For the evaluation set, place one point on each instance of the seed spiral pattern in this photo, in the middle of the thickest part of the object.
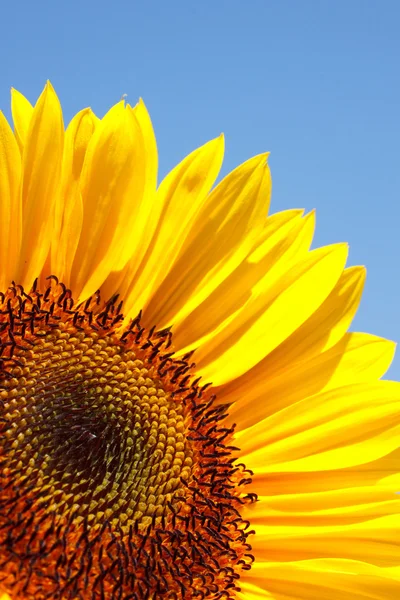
(117, 477)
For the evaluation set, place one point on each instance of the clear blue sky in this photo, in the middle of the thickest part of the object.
(315, 82)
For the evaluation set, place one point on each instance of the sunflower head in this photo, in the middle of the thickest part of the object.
(155, 340)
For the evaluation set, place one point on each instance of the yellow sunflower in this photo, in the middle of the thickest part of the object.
(183, 413)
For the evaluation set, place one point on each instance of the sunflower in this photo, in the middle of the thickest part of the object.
(183, 412)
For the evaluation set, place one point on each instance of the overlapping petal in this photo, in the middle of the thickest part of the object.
(328, 579)
(375, 541)
(338, 507)
(286, 238)
(276, 309)
(224, 232)
(177, 204)
(357, 357)
(371, 472)
(68, 216)
(339, 428)
(111, 184)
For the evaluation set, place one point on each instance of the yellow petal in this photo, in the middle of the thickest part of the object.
(326, 325)
(180, 197)
(321, 579)
(69, 208)
(375, 541)
(147, 216)
(145, 220)
(250, 591)
(257, 394)
(150, 143)
(22, 112)
(273, 317)
(332, 507)
(339, 428)
(112, 185)
(225, 231)
(10, 203)
(380, 471)
(283, 242)
(42, 158)
(120, 281)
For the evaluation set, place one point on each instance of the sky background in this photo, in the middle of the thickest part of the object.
(315, 82)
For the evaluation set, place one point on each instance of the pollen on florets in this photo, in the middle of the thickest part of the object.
(117, 477)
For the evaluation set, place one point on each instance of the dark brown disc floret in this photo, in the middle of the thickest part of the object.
(117, 477)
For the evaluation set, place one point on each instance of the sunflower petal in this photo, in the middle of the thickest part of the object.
(273, 315)
(22, 112)
(376, 472)
(375, 541)
(69, 208)
(332, 507)
(112, 184)
(180, 198)
(283, 242)
(259, 393)
(42, 157)
(224, 233)
(10, 204)
(326, 325)
(328, 579)
(339, 428)
(145, 220)
(250, 591)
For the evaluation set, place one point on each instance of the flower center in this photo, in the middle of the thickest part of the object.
(116, 478)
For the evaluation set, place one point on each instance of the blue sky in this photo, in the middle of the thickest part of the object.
(315, 82)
